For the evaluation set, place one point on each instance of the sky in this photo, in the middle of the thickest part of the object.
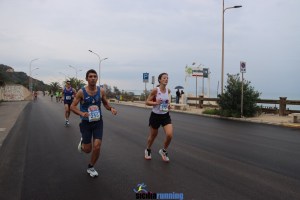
(139, 36)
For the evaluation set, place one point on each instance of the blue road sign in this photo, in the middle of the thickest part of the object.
(145, 77)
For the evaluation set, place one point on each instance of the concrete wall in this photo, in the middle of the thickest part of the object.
(14, 93)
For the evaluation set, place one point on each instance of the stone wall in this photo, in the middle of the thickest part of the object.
(14, 93)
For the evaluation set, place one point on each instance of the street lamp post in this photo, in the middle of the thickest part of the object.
(34, 83)
(76, 70)
(30, 79)
(222, 69)
(31, 83)
(100, 60)
(64, 75)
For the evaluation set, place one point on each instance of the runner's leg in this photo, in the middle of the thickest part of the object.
(152, 135)
(96, 151)
(169, 135)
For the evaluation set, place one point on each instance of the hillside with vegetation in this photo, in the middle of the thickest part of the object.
(9, 76)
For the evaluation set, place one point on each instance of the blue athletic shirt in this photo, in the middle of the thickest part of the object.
(91, 104)
(68, 95)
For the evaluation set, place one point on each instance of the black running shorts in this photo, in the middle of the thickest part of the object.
(91, 130)
(157, 120)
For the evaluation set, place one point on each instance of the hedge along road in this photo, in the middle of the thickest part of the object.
(210, 158)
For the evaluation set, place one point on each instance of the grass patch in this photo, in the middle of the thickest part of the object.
(211, 112)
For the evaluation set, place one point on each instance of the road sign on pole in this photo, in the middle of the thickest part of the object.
(243, 70)
(243, 67)
(146, 77)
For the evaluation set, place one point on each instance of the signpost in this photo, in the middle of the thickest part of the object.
(153, 81)
(198, 72)
(145, 80)
(242, 70)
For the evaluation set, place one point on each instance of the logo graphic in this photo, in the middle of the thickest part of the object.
(141, 189)
(188, 71)
(142, 193)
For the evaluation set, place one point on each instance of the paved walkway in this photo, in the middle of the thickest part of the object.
(10, 111)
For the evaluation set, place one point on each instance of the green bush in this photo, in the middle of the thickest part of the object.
(211, 112)
(230, 100)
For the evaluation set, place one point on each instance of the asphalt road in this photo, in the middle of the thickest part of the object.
(211, 159)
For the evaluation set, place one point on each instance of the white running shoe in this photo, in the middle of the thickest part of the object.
(164, 155)
(79, 146)
(148, 154)
(92, 172)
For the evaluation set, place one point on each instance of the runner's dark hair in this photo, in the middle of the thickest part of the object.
(90, 71)
(159, 77)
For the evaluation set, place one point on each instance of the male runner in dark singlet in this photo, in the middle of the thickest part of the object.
(91, 126)
(68, 94)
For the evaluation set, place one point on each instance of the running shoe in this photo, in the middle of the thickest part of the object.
(148, 154)
(79, 146)
(92, 172)
(67, 123)
(164, 155)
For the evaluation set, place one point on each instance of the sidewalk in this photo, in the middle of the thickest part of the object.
(9, 113)
(272, 119)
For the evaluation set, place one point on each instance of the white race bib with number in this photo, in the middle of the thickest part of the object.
(164, 107)
(68, 97)
(94, 113)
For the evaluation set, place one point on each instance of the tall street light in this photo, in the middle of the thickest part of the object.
(30, 79)
(76, 70)
(64, 75)
(222, 69)
(100, 60)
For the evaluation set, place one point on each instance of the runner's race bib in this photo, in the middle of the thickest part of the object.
(94, 113)
(163, 107)
(68, 97)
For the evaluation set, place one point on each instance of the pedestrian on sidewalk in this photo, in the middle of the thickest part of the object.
(159, 98)
(91, 126)
(177, 96)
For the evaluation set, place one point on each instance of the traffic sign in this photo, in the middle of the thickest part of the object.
(153, 80)
(205, 72)
(243, 67)
(145, 77)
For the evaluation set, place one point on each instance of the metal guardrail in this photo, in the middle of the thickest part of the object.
(201, 102)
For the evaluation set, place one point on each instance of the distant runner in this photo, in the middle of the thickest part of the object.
(68, 96)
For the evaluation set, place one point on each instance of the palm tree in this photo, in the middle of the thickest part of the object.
(76, 83)
(54, 87)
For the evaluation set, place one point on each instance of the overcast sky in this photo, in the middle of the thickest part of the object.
(155, 36)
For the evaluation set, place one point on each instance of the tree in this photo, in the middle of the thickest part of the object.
(230, 100)
(54, 87)
(76, 83)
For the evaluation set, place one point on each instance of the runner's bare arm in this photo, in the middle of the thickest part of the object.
(105, 102)
(75, 102)
(151, 101)
(74, 91)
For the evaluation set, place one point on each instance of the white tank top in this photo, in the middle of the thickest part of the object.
(163, 107)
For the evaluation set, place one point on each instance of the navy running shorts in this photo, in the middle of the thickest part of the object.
(157, 120)
(68, 102)
(91, 130)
